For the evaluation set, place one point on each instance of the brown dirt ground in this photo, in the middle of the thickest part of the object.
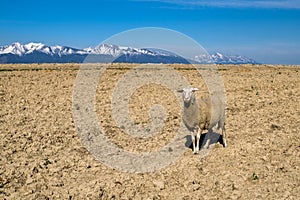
(42, 157)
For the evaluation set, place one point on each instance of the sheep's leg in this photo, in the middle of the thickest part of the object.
(224, 136)
(193, 140)
(206, 146)
(198, 139)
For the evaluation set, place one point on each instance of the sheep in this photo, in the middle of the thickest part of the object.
(199, 116)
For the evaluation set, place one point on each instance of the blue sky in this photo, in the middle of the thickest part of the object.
(265, 30)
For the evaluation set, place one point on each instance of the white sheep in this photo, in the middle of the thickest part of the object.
(199, 116)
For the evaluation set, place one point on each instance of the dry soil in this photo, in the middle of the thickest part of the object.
(42, 156)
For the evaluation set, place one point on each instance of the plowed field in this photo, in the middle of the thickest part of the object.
(42, 156)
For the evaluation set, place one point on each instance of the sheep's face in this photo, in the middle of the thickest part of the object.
(188, 95)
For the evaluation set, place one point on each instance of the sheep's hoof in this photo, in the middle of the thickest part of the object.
(224, 143)
(195, 152)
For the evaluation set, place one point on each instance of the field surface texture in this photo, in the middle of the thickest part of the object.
(43, 157)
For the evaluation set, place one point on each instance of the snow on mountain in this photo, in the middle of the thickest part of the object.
(104, 49)
(220, 58)
(20, 49)
(15, 48)
(115, 51)
(38, 52)
(230, 59)
(203, 58)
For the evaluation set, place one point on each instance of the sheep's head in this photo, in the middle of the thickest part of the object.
(188, 95)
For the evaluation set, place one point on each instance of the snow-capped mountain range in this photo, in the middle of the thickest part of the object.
(41, 53)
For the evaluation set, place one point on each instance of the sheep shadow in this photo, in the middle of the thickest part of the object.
(214, 138)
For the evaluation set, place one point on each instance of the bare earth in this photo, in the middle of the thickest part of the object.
(42, 156)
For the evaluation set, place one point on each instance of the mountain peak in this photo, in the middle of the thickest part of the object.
(15, 48)
(33, 45)
(16, 44)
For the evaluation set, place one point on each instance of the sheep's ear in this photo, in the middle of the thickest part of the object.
(180, 91)
(195, 89)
